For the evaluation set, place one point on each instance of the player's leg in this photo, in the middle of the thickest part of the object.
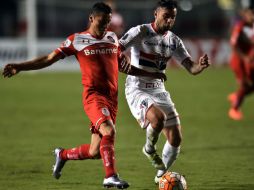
(102, 113)
(156, 118)
(171, 148)
(246, 87)
(85, 151)
(244, 90)
(173, 134)
(107, 130)
(150, 117)
(236, 98)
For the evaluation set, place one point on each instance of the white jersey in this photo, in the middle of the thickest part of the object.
(151, 51)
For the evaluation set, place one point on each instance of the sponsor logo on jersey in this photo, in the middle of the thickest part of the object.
(100, 51)
(160, 44)
(153, 85)
(163, 45)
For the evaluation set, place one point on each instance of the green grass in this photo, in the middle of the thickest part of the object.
(44, 110)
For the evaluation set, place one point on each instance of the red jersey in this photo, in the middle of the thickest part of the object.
(98, 59)
(242, 37)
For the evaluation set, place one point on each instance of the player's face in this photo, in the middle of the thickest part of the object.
(165, 18)
(249, 16)
(100, 22)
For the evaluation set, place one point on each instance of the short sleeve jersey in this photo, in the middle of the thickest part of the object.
(242, 36)
(98, 59)
(151, 51)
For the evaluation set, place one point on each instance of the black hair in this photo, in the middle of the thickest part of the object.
(169, 4)
(101, 8)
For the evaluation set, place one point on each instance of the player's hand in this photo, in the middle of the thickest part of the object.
(204, 62)
(10, 70)
(124, 64)
(161, 76)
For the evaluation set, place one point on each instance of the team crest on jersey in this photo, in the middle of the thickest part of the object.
(161, 62)
(66, 43)
(105, 111)
(110, 38)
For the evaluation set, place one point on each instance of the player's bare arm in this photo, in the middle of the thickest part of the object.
(35, 64)
(124, 63)
(196, 68)
(126, 67)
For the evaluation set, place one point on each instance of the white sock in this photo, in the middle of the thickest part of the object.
(169, 155)
(152, 137)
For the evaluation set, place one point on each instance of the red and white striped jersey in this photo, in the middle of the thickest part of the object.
(98, 59)
(151, 51)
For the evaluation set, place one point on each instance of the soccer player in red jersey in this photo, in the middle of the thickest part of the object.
(98, 53)
(242, 60)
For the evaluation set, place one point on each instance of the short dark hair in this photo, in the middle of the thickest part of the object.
(101, 8)
(169, 4)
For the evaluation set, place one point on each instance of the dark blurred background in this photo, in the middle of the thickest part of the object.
(32, 27)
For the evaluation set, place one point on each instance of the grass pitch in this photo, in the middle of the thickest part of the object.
(41, 111)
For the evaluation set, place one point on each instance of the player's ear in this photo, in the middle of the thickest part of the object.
(91, 18)
(155, 14)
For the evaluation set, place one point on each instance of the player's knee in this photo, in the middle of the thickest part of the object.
(95, 154)
(107, 129)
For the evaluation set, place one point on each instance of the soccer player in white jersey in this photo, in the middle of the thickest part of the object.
(152, 45)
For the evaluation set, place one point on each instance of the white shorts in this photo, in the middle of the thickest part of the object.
(140, 100)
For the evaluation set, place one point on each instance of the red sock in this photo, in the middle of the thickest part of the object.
(78, 153)
(108, 155)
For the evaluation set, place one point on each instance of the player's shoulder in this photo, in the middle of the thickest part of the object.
(173, 36)
(111, 33)
(72, 36)
(142, 28)
(111, 37)
(145, 27)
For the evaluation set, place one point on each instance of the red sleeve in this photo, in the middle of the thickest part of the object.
(67, 48)
(235, 33)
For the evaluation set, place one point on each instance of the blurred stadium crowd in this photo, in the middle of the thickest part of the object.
(35, 27)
